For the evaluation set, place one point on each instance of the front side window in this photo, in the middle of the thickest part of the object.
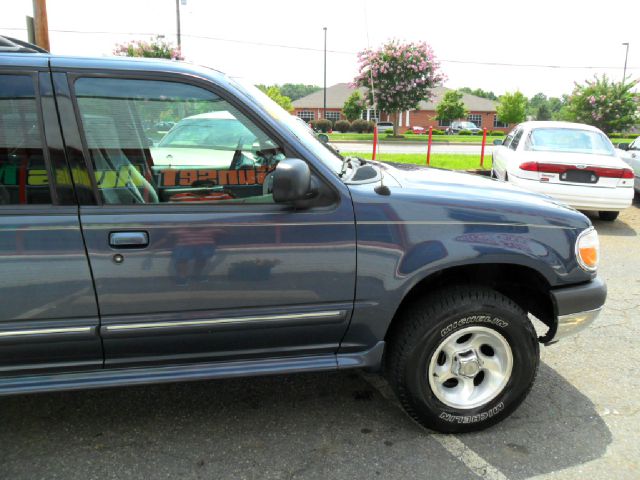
(166, 142)
(23, 175)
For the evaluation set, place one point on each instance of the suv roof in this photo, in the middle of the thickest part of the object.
(13, 45)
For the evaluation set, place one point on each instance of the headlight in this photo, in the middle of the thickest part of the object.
(588, 249)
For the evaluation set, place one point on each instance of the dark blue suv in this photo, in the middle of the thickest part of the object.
(162, 222)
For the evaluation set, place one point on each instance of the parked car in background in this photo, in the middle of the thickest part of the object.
(457, 127)
(630, 153)
(255, 249)
(574, 163)
(384, 126)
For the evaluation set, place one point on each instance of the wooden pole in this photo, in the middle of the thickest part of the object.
(41, 24)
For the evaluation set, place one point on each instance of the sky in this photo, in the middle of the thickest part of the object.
(282, 41)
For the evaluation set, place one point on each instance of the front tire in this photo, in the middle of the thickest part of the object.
(462, 359)
(608, 216)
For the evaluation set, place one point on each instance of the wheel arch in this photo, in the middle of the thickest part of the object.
(524, 285)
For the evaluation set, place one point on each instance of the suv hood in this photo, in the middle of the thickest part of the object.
(483, 198)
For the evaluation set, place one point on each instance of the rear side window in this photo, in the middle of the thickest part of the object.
(23, 175)
(167, 142)
(516, 139)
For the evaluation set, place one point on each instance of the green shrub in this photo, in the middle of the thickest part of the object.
(497, 133)
(342, 126)
(323, 125)
(624, 135)
(436, 132)
(465, 132)
(409, 132)
(370, 127)
(359, 126)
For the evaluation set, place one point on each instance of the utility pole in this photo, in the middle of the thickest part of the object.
(324, 111)
(178, 24)
(40, 23)
(626, 55)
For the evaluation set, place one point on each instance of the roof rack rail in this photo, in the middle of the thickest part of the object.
(13, 45)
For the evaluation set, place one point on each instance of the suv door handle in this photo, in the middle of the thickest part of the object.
(128, 239)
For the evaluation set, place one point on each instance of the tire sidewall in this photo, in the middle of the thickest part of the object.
(524, 350)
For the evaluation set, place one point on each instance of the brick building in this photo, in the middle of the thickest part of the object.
(482, 111)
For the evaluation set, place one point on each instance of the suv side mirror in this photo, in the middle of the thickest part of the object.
(497, 141)
(623, 146)
(291, 181)
(323, 137)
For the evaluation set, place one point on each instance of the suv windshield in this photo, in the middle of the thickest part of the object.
(302, 132)
(569, 140)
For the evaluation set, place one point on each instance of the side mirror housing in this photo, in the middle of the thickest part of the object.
(291, 181)
(497, 141)
(323, 137)
(623, 146)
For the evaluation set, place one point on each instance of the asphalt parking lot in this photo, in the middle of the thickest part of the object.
(582, 419)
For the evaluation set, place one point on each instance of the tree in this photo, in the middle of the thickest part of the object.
(398, 75)
(478, 92)
(512, 107)
(155, 48)
(274, 93)
(353, 106)
(297, 90)
(451, 107)
(610, 106)
(543, 112)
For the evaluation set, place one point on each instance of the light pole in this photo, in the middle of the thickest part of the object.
(626, 55)
(324, 109)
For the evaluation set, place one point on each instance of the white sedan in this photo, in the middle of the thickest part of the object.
(630, 153)
(574, 163)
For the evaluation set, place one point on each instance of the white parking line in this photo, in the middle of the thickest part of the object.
(450, 443)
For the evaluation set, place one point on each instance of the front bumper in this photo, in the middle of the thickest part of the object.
(576, 308)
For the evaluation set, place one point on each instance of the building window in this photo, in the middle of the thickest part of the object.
(333, 116)
(475, 118)
(444, 123)
(307, 116)
(371, 115)
(498, 124)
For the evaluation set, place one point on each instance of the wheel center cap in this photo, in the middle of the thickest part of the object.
(467, 364)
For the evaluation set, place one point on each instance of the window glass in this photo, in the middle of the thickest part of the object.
(444, 123)
(516, 139)
(333, 116)
(569, 140)
(498, 124)
(23, 175)
(475, 118)
(167, 142)
(307, 116)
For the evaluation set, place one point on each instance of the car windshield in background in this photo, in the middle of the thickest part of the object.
(468, 125)
(569, 140)
(207, 133)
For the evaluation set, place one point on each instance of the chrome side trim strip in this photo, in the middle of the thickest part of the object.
(45, 331)
(220, 321)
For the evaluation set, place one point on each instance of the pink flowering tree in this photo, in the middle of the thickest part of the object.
(155, 48)
(610, 106)
(398, 76)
